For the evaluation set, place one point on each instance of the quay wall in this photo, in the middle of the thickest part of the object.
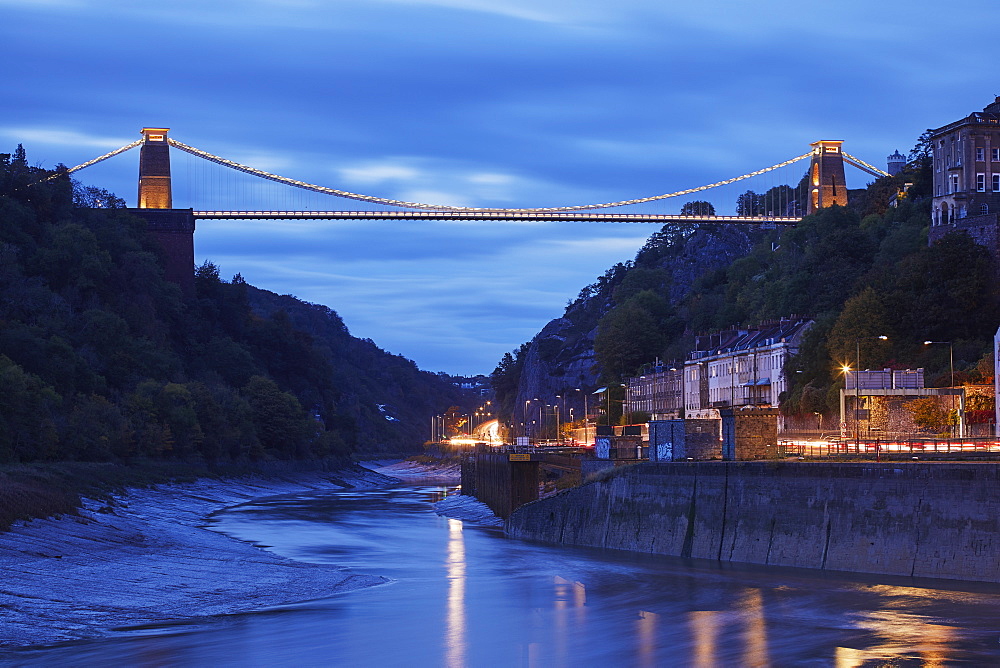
(935, 520)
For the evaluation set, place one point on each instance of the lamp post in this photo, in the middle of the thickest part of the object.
(586, 418)
(525, 423)
(625, 406)
(558, 408)
(857, 390)
(951, 367)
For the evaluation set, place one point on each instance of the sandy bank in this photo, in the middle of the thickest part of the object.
(144, 558)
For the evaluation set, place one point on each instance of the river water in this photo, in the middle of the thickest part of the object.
(464, 595)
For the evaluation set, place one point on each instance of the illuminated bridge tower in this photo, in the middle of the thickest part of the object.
(154, 170)
(827, 185)
(172, 228)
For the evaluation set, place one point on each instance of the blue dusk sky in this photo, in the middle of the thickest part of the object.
(498, 103)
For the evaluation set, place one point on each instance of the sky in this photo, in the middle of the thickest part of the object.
(497, 103)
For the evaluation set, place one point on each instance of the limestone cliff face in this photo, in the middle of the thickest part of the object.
(560, 357)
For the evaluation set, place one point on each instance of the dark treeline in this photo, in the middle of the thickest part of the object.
(101, 359)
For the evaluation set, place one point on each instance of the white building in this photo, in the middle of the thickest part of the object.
(741, 367)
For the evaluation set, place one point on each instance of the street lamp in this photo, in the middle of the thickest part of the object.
(857, 389)
(625, 404)
(558, 408)
(951, 366)
(586, 418)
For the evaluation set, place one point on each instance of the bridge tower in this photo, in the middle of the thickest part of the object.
(172, 228)
(827, 184)
(154, 170)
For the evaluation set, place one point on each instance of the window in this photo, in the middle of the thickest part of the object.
(980, 153)
(984, 209)
(996, 155)
(939, 188)
(996, 183)
(980, 183)
(954, 183)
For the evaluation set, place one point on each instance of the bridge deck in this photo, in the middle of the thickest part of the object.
(540, 216)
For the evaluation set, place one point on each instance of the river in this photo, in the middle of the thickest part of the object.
(464, 595)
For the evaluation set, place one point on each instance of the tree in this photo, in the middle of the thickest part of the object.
(633, 333)
(929, 414)
(923, 148)
(278, 417)
(864, 318)
(750, 204)
(698, 208)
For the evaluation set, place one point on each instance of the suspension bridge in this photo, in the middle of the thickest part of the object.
(824, 185)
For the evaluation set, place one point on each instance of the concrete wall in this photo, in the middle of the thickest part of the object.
(498, 482)
(929, 520)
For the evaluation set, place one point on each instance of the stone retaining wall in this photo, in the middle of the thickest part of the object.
(924, 519)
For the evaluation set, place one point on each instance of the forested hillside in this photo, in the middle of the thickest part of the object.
(860, 271)
(101, 359)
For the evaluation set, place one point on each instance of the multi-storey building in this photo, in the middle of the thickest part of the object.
(741, 367)
(966, 166)
(659, 392)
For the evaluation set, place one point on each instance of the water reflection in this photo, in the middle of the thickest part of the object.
(704, 626)
(900, 634)
(646, 639)
(755, 633)
(454, 638)
(466, 596)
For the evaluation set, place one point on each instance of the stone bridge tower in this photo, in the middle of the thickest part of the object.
(154, 170)
(827, 184)
(172, 228)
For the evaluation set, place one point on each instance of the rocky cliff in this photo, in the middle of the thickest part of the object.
(561, 357)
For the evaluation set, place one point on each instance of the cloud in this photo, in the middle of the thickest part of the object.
(453, 297)
(378, 173)
(43, 4)
(63, 138)
(543, 12)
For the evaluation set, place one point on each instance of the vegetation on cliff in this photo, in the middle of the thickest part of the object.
(101, 359)
(860, 271)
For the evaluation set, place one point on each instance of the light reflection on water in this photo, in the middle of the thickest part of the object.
(455, 634)
(466, 596)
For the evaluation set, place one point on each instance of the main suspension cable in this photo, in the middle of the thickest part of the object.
(864, 166)
(417, 205)
(70, 170)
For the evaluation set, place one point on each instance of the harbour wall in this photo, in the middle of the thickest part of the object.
(935, 520)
